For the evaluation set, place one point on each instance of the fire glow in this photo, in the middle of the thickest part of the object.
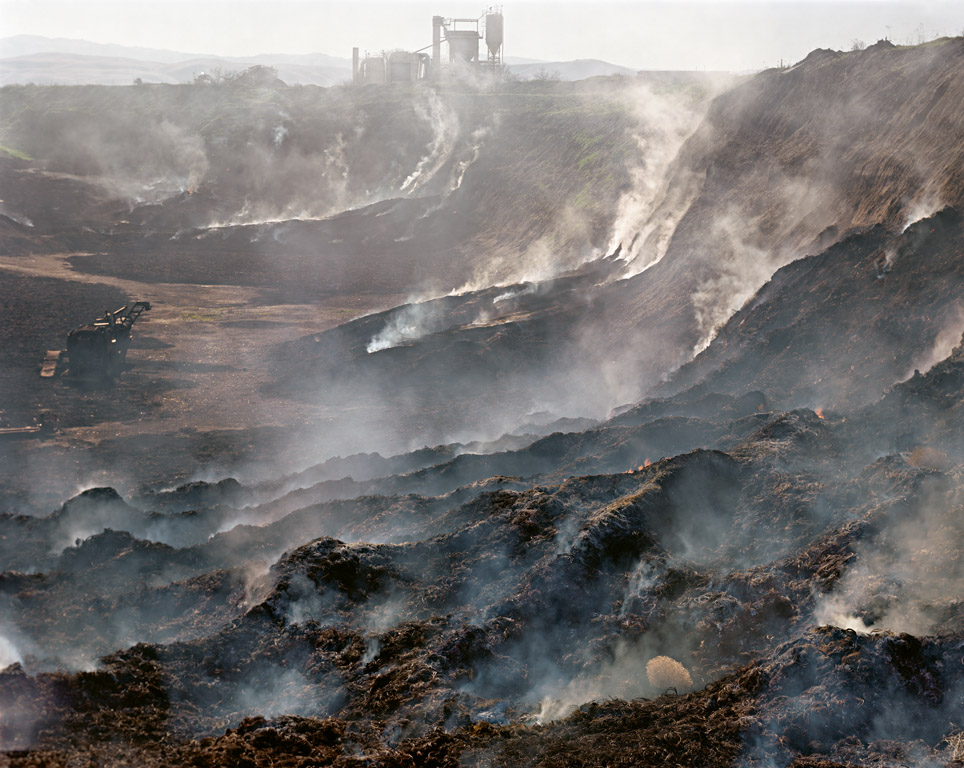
(640, 468)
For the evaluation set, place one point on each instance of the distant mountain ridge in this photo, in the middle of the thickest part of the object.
(27, 45)
(78, 69)
(64, 61)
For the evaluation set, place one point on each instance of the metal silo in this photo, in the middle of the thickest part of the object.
(463, 44)
(493, 34)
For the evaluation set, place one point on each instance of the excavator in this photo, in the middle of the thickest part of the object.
(98, 349)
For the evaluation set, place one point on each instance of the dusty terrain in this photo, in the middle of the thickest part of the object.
(606, 423)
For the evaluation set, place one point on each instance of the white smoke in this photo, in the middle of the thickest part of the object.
(477, 138)
(308, 603)
(648, 212)
(17, 217)
(740, 269)
(906, 578)
(177, 163)
(644, 577)
(332, 194)
(921, 208)
(410, 323)
(280, 130)
(543, 259)
(514, 293)
(624, 677)
(737, 263)
(944, 343)
(8, 653)
(445, 127)
(336, 166)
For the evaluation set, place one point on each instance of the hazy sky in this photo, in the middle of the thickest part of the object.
(696, 34)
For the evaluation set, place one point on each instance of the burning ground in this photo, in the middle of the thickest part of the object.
(616, 552)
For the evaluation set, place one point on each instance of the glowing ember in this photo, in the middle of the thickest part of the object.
(640, 468)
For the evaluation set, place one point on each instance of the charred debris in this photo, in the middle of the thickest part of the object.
(756, 563)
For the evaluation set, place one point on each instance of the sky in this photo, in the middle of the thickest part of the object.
(679, 34)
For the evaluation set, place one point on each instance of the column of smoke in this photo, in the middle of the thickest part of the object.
(740, 269)
(326, 193)
(180, 166)
(145, 166)
(477, 139)
(333, 196)
(908, 576)
(737, 262)
(410, 323)
(649, 211)
(541, 260)
(598, 375)
(444, 123)
(8, 652)
(947, 339)
(920, 208)
(636, 670)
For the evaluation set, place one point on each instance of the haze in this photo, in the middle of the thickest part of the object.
(734, 36)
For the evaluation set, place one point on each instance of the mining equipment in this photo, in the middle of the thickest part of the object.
(462, 37)
(464, 43)
(44, 424)
(98, 349)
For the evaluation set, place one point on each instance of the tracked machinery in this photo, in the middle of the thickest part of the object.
(98, 349)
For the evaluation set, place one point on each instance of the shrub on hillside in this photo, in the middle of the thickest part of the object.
(664, 672)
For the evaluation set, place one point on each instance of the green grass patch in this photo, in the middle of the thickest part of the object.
(15, 153)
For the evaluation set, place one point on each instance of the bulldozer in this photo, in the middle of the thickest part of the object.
(98, 349)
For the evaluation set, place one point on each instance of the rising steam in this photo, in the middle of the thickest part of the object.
(650, 209)
(908, 577)
(411, 322)
(8, 653)
(444, 122)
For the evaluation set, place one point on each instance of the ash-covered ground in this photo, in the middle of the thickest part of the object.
(596, 424)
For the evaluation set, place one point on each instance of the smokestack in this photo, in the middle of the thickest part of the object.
(354, 66)
(437, 22)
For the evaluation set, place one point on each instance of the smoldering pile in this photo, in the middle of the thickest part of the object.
(477, 603)
(445, 617)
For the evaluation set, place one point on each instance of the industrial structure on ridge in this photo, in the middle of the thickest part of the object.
(462, 36)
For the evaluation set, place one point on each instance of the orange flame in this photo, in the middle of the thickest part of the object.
(819, 413)
(647, 463)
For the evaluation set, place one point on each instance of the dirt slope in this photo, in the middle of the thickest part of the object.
(790, 161)
(902, 310)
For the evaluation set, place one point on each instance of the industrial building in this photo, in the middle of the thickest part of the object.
(462, 39)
